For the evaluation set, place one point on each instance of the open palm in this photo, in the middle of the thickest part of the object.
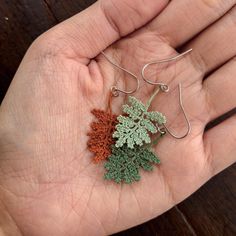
(49, 184)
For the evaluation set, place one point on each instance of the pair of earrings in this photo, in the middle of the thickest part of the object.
(126, 142)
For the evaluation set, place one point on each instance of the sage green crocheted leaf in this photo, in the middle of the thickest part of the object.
(157, 117)
(124, 163)
(136, 124)
(137, 104)
(149, 126)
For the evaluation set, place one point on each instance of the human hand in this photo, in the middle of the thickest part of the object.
(48, 183)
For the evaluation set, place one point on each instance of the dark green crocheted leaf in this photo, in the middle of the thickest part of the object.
(124, 163)
(135, 126)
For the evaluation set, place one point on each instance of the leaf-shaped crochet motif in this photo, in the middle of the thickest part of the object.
(135, 126)
(100, 138)
(124, 163)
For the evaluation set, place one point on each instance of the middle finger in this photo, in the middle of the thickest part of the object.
(216, 45)
(181, 20)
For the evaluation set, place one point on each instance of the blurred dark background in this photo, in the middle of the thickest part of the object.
(211, 211)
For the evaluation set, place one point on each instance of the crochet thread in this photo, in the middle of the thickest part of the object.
(100, 138)
(124, 163)
(135, 126)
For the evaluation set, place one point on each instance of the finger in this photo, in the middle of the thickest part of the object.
(183, 19)
(104, 22)
(220, 145)
(215, 45)
(220, 90)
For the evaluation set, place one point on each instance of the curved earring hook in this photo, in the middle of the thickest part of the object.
(115, 91)
(185, 116)
(163, 87)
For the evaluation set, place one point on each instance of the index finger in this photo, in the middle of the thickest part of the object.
(106, 21)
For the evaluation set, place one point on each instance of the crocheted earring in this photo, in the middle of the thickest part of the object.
(101, 137)
(136, 133)
(125, 142)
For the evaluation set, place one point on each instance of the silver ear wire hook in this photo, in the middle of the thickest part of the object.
(185, 116)
(163, 87)
(115, 91)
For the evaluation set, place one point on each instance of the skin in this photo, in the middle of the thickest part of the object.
(48, 183)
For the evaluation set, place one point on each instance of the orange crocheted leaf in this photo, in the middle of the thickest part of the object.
(100, 137)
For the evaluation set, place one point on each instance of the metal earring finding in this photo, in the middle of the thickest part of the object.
(164, 87)
(115, 90)
(185, 116)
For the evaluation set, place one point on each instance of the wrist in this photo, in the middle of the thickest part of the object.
(8, 226)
